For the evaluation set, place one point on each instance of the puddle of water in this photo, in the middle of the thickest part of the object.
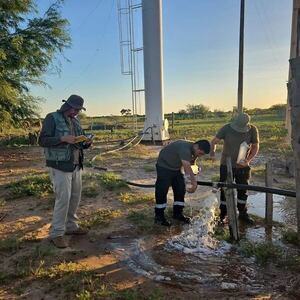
(284, 208)
(213, 264)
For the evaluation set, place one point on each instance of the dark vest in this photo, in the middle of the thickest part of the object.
(62, 152)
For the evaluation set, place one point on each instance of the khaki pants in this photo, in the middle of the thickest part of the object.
(67, 187)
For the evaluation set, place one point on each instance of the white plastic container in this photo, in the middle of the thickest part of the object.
(244, 147)
(187, 181)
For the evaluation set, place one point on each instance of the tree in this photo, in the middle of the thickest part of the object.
(279, 109)
(197, 110)
(125, 112)
(27, 49)
(219, 113)
(182, 112)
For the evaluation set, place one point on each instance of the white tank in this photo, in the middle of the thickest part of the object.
(155, 125)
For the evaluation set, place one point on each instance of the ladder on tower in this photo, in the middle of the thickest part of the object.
(131, 51)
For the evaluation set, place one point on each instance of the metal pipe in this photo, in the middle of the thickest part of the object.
(256, 188)
(241, 58)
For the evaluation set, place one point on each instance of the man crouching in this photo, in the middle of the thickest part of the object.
(172, 158)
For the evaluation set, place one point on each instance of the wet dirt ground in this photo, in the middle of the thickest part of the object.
(183, 262)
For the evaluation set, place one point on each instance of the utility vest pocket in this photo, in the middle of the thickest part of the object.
(58, 154)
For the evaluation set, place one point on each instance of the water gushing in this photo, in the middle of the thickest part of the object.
(198, 239)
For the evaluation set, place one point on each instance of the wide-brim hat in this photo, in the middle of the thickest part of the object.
(241, 123)
(75, 101)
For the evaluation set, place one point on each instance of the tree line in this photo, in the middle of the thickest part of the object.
(200, 111)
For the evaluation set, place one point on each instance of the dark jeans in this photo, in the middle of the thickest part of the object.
(240, 176)
(165, 179)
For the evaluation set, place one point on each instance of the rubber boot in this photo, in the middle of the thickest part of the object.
(178, 215)
(223, 213)
(243, 215)
(160, 217)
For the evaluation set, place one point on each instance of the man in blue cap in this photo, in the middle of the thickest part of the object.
(240, 139)
(64, 157)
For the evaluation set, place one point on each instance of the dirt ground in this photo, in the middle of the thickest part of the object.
(119, 259)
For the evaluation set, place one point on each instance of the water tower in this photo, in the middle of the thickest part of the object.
(155, 126)
(153, 71)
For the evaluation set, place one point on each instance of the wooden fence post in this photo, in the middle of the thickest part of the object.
(294, 99)
(230, 204)
(173, 117)
(269, 197)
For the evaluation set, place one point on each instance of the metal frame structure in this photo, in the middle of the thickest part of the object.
(129, 52)
(151, 86)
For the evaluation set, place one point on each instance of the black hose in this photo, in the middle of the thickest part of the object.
(140, 184)
(247, 187)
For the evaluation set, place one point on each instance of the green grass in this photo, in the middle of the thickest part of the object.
(258, 171)
(71, 278)
(34, 185)
(106, 292)
(2, 202)
(20, 138)
(221, 234)
(109, 180)
(60, 270)
(290, 236)
(264, 252)
(28, 265)
(149, 168)
(136, 198)
(138, 294)
(215, 177)
(101, 216)
(90, 190)
(207, 163)
(144, 221)
(10, 244)
(267, 252)
(80, 283)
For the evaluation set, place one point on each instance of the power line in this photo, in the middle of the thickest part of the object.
(88, 15)
(269, 34)
(96, 51)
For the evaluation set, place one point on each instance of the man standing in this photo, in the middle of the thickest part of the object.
(172, 158)
(64, 157)
(238, 136)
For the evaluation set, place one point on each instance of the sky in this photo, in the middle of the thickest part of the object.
(200, 46)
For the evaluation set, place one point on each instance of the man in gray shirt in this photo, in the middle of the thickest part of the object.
(172, 158)
(238, 132)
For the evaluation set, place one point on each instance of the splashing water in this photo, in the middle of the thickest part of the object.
(198, 239)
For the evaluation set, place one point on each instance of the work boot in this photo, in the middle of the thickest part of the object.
(78, 231)
(221, 221)
(160, 217)
(161, 220)
(178, 214)
(59, 242)
(245, 218)
(222, 217)
(182, 218)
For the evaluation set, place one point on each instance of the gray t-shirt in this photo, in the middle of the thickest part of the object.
(233, 139)
(170, 156)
